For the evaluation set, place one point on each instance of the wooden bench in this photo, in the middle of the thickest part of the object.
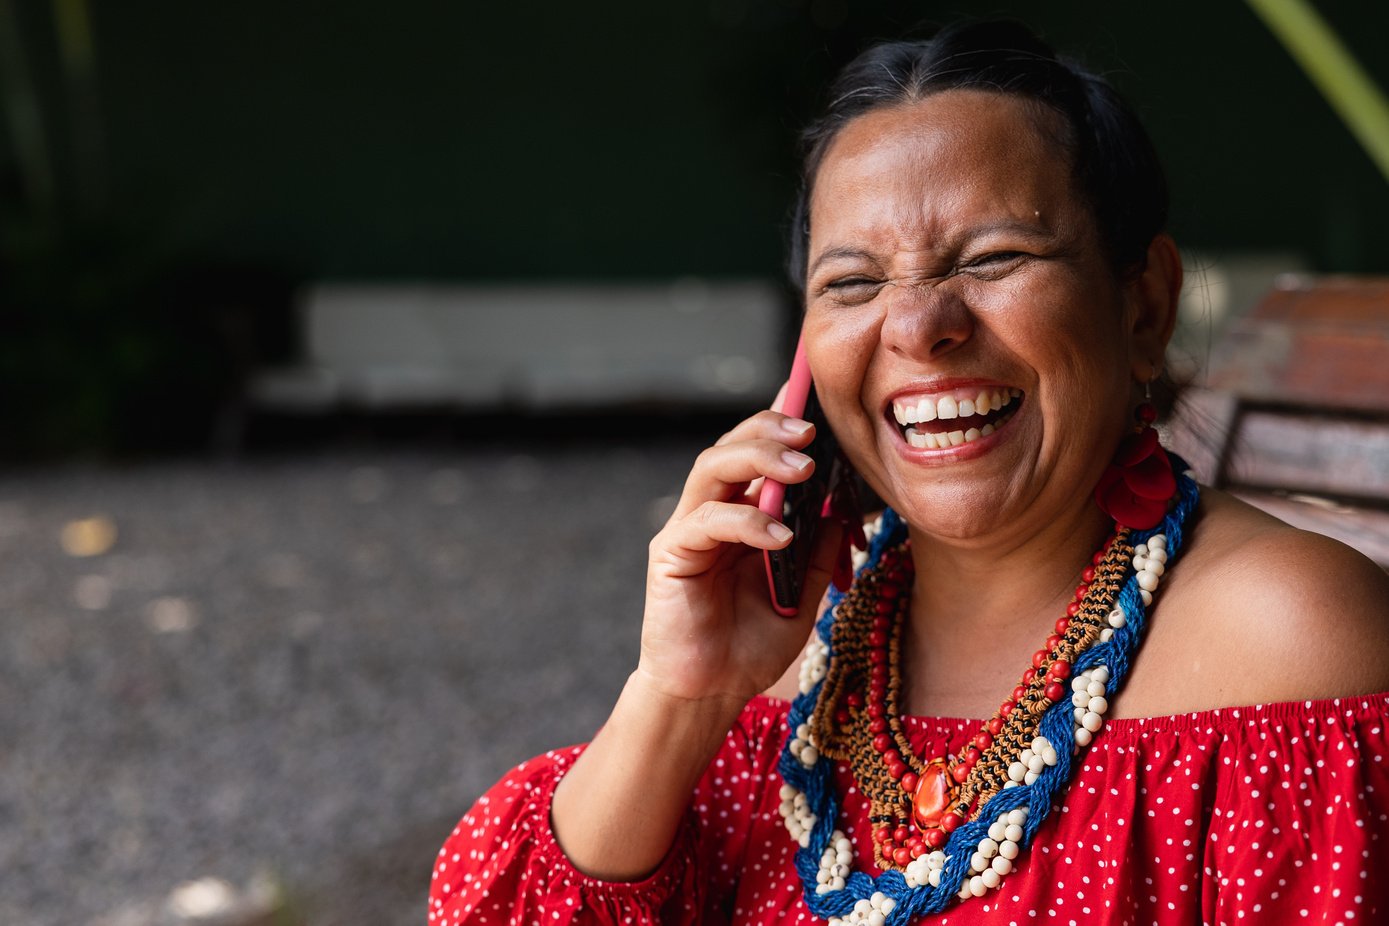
(1293, 415)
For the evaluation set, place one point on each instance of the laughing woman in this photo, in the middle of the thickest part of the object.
(1171, 696)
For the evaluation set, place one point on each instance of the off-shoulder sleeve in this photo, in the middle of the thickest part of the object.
(1299, 822)
(502, 864)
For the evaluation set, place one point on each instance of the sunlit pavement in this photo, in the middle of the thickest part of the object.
(299, 670)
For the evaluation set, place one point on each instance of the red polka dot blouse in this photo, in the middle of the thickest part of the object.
(1265, 814)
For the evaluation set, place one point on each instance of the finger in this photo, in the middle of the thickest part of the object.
(722, 472)
(795, 432)
(690, 546)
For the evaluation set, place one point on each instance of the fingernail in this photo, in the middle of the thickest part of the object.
(796, 426)
(780, 532)
(799, 460)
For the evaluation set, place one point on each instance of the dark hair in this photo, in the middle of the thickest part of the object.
(1113, 162)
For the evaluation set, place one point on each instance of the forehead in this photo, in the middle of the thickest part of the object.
(959, 154)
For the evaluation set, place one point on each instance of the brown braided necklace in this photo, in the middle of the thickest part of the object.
(916, 803)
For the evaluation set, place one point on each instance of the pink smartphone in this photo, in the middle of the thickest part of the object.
(799, 506)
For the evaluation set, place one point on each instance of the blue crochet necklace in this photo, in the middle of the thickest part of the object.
(983, 807)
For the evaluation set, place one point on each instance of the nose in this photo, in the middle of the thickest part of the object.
(926, 320)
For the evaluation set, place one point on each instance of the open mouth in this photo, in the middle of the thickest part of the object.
(950, 419)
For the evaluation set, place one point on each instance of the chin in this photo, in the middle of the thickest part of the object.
(953, 509)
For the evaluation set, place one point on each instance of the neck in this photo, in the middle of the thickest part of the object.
(979, 610)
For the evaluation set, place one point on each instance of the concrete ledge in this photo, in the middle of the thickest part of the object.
(534, 347)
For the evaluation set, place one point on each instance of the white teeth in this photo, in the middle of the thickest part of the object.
(924, 440)
(948, 407)
(929, 440)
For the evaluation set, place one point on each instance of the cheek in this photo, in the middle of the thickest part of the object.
(1059, 325)
(840, 346)
(842, 349)
(1081, 363)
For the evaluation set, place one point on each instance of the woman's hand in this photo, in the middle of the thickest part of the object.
(709, 629)
(710, 641)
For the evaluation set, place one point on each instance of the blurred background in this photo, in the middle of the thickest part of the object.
(351, 353)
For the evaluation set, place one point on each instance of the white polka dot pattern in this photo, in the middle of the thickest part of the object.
(1261, 814)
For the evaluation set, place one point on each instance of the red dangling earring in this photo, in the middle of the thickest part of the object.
(1137, 486)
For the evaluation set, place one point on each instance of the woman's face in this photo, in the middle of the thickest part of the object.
(970, 345)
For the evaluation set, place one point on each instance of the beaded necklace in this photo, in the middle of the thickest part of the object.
(951, 826)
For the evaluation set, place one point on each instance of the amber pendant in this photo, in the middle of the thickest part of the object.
(935, 792)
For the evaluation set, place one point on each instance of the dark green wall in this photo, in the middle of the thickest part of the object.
(476, 140)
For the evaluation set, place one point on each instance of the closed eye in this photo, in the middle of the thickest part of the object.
(995, 264)
(996, 257)
(852, 290)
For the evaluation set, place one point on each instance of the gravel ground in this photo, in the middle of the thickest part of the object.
(304, 667)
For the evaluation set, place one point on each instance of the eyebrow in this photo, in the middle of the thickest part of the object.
(836, 254)
(1007, 225)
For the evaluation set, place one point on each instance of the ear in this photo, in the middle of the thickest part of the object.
(1152, 297)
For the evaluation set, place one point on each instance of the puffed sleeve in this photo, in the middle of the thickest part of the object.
(502, 864)
(1300, 818)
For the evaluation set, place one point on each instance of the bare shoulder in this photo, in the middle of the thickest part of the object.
(1271, 612)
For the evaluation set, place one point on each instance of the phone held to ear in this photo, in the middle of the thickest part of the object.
(800, 506)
